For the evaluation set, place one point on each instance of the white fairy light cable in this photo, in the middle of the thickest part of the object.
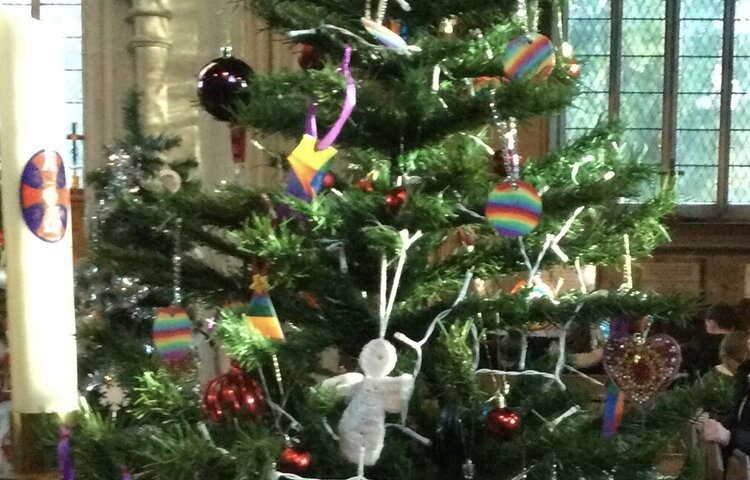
(583, 375)
(554, 241)
(417, 345)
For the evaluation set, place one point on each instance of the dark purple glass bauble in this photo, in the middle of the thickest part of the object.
(220, 84)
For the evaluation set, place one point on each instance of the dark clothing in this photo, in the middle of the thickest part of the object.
(739, 419)
(701, 354)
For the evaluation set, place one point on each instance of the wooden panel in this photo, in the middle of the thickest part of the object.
(671, 277)
(78, 221)
(533, 138)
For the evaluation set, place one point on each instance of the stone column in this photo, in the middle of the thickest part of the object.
(150, 45)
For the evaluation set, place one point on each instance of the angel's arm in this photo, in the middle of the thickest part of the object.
(397, 392)
(345, 385)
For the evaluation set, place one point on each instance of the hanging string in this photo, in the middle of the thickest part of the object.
(522, 12)
(277, 372)
(628, 267)
(177, 263)
(382, 7)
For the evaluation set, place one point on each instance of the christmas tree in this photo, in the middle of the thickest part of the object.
(366, 337)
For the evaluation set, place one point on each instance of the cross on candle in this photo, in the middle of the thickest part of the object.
(74, 137)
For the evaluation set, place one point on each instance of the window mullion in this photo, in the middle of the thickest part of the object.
(615, 58)
(669, 100)
(725, 112)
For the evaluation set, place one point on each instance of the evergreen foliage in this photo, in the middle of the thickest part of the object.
(399, 128)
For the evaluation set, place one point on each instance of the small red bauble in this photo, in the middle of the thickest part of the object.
(503, 423)
(395, 198)
(294, 461)
(329, 180)
(308, 56)
(233, 394)
(365, 185)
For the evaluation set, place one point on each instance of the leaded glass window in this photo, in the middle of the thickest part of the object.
(682, 87)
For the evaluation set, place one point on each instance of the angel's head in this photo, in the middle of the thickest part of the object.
(378, 358)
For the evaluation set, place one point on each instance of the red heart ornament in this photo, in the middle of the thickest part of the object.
(640, 369)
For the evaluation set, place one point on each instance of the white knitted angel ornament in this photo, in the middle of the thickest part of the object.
(373, 393)
(362, 427)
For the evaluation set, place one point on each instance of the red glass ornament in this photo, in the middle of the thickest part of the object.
(503, 423)
(395, 198)
(365, 185)
(308, 56)
(329, 181)
(294, 461)
(233, 394)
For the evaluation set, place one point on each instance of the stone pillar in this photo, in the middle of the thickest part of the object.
(150, 46)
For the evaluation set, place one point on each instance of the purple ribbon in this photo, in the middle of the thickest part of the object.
(64, 457)
(311, 124)
(350, 100)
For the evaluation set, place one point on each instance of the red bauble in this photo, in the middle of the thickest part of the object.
(503, 423)
(395, 199)
(294, 461)
(329, 181)
(234, 394)
(365, 185)
(308, 56)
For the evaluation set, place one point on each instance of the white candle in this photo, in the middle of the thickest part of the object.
(41, 318)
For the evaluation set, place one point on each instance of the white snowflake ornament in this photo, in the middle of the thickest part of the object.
(113, 396)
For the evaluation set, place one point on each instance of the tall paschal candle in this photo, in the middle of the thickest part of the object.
(36, 220)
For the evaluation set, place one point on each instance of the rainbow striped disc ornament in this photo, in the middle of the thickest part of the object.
(173, 334)
(530, 56)
(513, 211)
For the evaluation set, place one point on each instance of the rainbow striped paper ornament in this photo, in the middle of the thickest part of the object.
(614, 406)
(173, 334)
(530, 56)
(309, 167)
(513, 210)
(261, 314)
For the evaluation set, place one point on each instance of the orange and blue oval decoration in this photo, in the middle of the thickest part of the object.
(513, 210)
(530, 56)
(45, 198)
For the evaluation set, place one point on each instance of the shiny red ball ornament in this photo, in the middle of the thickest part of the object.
(365, 185)
(294, 460)
(395, 199)
(329, 181)
(503, 423)
(234, 394)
